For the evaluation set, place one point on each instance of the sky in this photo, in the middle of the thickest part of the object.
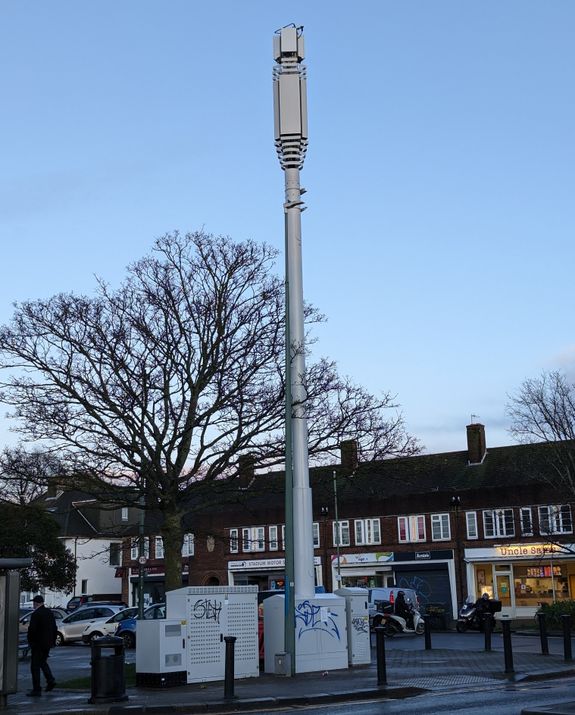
(440, 174)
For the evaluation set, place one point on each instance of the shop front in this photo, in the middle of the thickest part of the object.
(522, 576)
(366, 570)
(430, 573)
(266, 574)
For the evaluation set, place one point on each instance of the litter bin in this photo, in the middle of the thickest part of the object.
(108, 681)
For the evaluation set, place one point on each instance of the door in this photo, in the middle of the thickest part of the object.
(503, 589)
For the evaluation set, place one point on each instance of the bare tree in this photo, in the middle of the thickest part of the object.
(543, 410)
(25, 475)
(167, 380)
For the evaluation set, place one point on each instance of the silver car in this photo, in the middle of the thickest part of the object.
(72, 627)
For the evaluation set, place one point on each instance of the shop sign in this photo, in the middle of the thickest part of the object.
(369, 558)
(422, 555)
(528, 550)
(263, 564)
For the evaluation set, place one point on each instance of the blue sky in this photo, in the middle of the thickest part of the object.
(440, 173)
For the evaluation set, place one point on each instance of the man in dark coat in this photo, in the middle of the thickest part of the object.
(41, 637)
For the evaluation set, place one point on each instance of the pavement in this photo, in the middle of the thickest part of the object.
(409, 672)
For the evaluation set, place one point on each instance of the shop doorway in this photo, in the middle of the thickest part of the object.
(503, 589)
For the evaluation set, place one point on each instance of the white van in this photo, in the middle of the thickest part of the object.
(377, 596)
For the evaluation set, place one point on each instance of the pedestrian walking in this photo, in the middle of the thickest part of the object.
(41, 637)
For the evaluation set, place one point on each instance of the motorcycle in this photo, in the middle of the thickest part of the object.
(394, 624)
(472, 617)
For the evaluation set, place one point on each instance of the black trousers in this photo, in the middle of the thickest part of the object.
(38, 662)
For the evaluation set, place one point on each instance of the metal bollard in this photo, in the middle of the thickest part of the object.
(488, 630)
(566, 626)
(427, 631)
(380, 653)
(543, 633)
(507, 649)
(229, 673)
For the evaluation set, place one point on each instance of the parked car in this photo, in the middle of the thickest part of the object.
(127, 629)
(59, 614)
(97, 629)
(378, 597)
(71, 628)
(77, 601)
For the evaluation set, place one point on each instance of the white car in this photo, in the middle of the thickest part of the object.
(72, 627)
(97, 629)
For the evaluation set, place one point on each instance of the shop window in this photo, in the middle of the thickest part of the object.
(188, 545)
(411, 528)
(135, 548)
(440, 530)
(526, 521)
(115, 553)
(471, 523)
(498, 523)
(159, 547)
(537, 583)
(367, 531)
(273, 544)
(315, 531)
(555, 519)
(253, 539)
(341, 533)
(234, 541)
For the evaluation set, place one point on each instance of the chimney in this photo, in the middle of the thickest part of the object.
(246, 470)
(348, 451)
(476, 443)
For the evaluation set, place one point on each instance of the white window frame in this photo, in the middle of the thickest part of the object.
(253, 539)
(367, 531)
(440, 527)
(344, 534)
(273, 543)
(471, 525)
(188, 545)
(234, 541)
(558, 517)
(526, 521)
(159, 547)
(124, 513)
(411, 529)
(283, 537)
(496, 523)
(315, 532)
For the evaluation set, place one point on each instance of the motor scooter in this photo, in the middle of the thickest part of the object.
(394, 624)
(472, 617)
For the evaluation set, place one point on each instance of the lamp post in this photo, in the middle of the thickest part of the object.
(290, 114)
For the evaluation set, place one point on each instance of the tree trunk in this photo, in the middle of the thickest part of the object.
(172, 534)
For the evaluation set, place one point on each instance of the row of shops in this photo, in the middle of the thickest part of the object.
(521, 576)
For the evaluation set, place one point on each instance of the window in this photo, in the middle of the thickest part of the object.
(411, 528)
(234, 541)
(341, 534)
(555, 519)
(526, 521)
(471, 522)
(188, 545)
(253, 539)
(135, 551)
(273, 544)
(159, 547)
(367, 531)
(124, 514)
(84, 586)
(115, 553)
(315, 529)
(440, 530)
(497, 523)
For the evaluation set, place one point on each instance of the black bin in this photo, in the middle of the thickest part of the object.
(108, 680)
